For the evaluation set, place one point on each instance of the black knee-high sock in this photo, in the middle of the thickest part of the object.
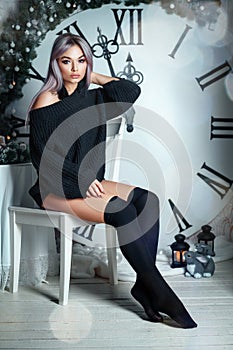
(147, 207)
(123, 217)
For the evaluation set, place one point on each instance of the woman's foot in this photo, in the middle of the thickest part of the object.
(139, 294)
(168, 303)
(164, 301)
(183, 319)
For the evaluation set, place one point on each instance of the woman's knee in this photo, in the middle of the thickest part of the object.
(141, 197)
(119, 212)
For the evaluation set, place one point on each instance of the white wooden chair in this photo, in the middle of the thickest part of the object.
(65, 223)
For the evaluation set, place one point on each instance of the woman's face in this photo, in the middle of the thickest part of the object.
(73, 66)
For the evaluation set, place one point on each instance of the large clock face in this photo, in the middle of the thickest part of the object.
(182, 140)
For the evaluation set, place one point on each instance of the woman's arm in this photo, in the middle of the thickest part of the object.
(117, 94)
(101, 79)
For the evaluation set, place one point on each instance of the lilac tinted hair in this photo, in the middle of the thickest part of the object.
(54, 80)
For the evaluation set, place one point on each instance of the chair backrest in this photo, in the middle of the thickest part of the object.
(115, 127)
(115, 132)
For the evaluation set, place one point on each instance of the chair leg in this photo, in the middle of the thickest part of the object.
(111, 252)
(15, 251)
(65, 259)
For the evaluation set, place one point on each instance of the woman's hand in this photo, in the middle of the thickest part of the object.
(101, 79)
(95, 189)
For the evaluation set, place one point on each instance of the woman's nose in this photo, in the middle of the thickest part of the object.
(74, 66)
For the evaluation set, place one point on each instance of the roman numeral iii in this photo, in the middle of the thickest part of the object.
(221, 128)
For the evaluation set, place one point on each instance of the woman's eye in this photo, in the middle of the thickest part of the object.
(82, 60)
(65, 61)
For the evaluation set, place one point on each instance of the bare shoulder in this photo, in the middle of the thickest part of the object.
(45, 99)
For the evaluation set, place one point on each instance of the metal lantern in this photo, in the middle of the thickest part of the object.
(207, 237)
(179, 248)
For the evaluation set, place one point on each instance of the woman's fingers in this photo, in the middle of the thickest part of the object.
(100, 187)
(95, 189)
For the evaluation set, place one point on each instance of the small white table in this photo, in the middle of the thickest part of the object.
(15, 180)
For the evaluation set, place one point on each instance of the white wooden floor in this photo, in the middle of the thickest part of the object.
(100, 316)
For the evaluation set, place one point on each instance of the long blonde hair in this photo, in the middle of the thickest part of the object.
(54, 80)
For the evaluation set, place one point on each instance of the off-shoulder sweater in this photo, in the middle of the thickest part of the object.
(67, 138)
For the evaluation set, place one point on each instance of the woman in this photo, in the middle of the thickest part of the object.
(67, 145)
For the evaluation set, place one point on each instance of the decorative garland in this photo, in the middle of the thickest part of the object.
(14, 152)
(26, 27)
(24, 30)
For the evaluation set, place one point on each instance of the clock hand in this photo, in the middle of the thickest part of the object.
(130, 73)
(129, 117)
(103, 44)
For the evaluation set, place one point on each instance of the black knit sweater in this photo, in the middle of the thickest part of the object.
(67, 138)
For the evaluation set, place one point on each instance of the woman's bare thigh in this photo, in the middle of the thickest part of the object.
(119, 189)
(89, 209)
